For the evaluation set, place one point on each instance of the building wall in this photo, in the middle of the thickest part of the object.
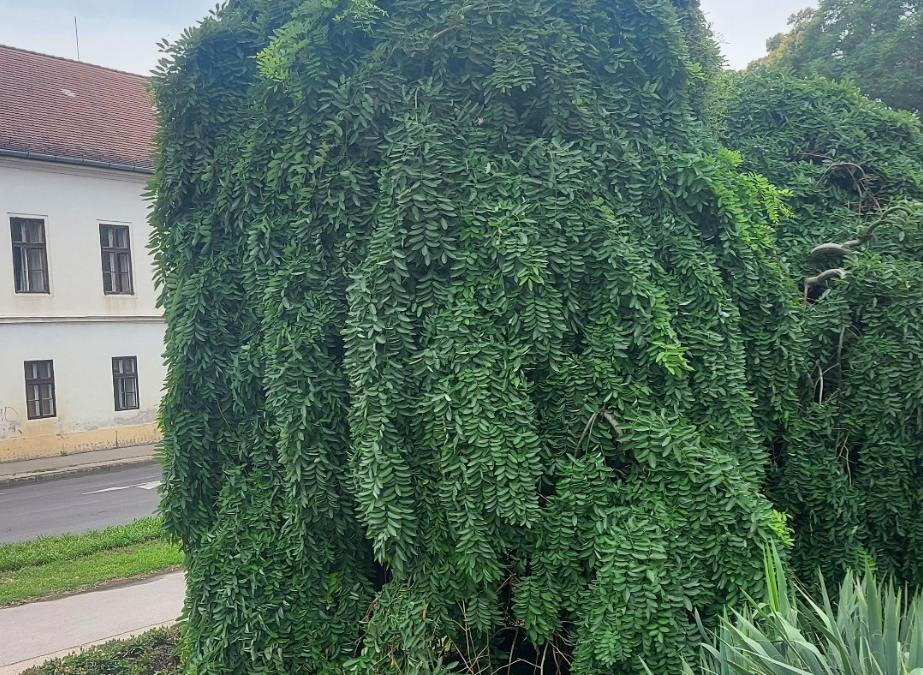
(76, 325)
(86, 417)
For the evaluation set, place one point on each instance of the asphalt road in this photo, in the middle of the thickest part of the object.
(74, 505)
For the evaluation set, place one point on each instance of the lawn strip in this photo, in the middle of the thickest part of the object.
(45, 550)
(67, 576)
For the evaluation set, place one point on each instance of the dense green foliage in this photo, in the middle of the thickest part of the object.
(153, 653)
(480, 344)
(878, 44)
(869, 628)
(849, 458)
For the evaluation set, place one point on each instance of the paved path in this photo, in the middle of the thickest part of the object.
(43, 629)
(78, 504)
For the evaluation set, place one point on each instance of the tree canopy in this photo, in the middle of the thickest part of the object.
(878, 44)
(481, 346)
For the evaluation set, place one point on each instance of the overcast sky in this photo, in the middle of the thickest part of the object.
(123, 34)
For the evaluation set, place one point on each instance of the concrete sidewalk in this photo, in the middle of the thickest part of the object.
(31, 634)
(64, 466)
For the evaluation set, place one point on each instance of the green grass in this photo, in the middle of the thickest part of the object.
(52, 566)
(70, 546)
(154, 653)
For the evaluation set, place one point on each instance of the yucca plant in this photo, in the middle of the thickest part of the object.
(873, 629)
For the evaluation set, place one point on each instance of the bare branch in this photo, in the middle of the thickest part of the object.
(870, 232)
(442, 32)
(839, 250)
(820, 398)
(586, 429)
(862, 181)
(824, 277)
(611, 420)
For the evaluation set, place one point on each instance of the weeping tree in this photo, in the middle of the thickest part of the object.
(848, 461)
(479, 343)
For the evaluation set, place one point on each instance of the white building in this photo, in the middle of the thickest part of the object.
(81, 338)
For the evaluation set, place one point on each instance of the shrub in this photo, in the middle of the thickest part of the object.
(153, 653)
(872, 629)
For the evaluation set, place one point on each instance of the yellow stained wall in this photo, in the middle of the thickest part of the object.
(41, 440)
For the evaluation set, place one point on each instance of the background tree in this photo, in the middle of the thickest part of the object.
(848, 459)
(878, 44)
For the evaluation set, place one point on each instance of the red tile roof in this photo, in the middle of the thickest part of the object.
(53, 106)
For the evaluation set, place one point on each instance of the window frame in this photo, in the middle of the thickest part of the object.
(118, 377)
(40, 382)
(116, 252)
(18, 246)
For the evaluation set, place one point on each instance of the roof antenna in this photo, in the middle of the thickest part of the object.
(77, 37)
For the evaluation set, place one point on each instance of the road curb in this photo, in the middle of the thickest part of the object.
(72, 471)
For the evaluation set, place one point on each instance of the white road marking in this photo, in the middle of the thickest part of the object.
(153, 485)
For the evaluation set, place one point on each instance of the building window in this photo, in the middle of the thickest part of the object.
(125, 382)
(40, 402)
(116, 260)
(30, 259)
